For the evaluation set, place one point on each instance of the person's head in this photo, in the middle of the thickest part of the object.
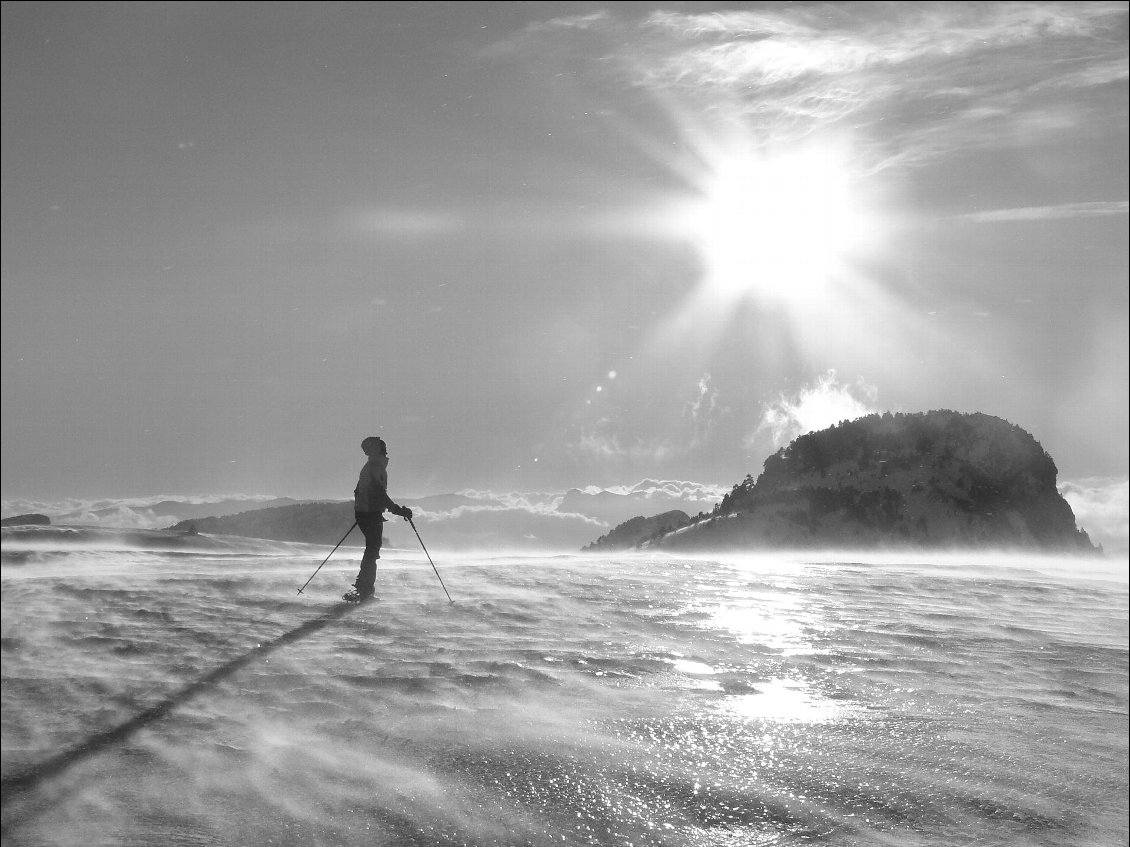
(374, 446)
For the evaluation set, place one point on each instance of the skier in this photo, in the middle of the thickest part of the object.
(370, 501)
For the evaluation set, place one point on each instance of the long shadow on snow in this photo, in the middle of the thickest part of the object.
(14, 787)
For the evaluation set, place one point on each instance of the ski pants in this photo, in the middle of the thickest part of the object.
(371, 525)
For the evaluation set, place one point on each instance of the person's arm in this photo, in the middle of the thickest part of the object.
(383, 502)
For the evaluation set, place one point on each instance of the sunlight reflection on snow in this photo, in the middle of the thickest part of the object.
(773, 624)
(785, 700)
(766, 614)
(696, 668)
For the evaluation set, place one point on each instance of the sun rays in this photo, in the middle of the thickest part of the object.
(775, 227)
(784, 230)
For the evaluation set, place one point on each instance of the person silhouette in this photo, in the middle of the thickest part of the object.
(370, 501)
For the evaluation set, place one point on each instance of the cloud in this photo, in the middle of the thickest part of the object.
(544, 39)
(476, 519)
(912, 81)
(1100, 73)
(398, 223)
(571, 22)
(615, 504)
(750, 49)
(819, 405)
(685, 425)
(702, 412)
(502, 520)
(1044, 213)
(468, 519)
(674, 489)
(765, 47)
(1102, 508)
(491, 524)
(600, 444)
(472, 501)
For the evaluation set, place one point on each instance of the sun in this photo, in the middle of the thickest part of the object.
(775, 227)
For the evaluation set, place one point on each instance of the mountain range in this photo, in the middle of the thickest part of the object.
(931, 480)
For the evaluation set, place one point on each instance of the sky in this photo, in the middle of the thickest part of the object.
(538, 246)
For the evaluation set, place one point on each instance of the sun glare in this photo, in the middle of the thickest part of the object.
(774, 227)
(784, 229)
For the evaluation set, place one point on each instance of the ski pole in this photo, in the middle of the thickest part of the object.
(307, 582)
(433, 564)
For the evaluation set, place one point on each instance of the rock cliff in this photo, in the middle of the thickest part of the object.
(932, 480)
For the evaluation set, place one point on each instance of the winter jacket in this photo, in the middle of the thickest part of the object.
(371, 493)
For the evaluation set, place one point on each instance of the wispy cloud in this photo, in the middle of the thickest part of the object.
(570, 519)
(913, 81)
(689, 491)
(702, 412)
(688, 429)
(758, 48)
(603, 443)
(478, 502)
(400, 222)
(468, 519)
(571, 22)
(821, 404)
(1102, 508)
(1044, 213)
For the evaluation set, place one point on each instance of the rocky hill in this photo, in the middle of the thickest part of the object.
(933, 480)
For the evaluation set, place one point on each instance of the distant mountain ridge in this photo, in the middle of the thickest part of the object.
(26, 520)
(632, 532)
(169, 510)
(469, 520)
(928, 480)
(318, 522)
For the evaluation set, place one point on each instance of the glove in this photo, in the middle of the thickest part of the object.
(403, 512)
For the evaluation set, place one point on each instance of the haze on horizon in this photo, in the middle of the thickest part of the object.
(549, 245)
